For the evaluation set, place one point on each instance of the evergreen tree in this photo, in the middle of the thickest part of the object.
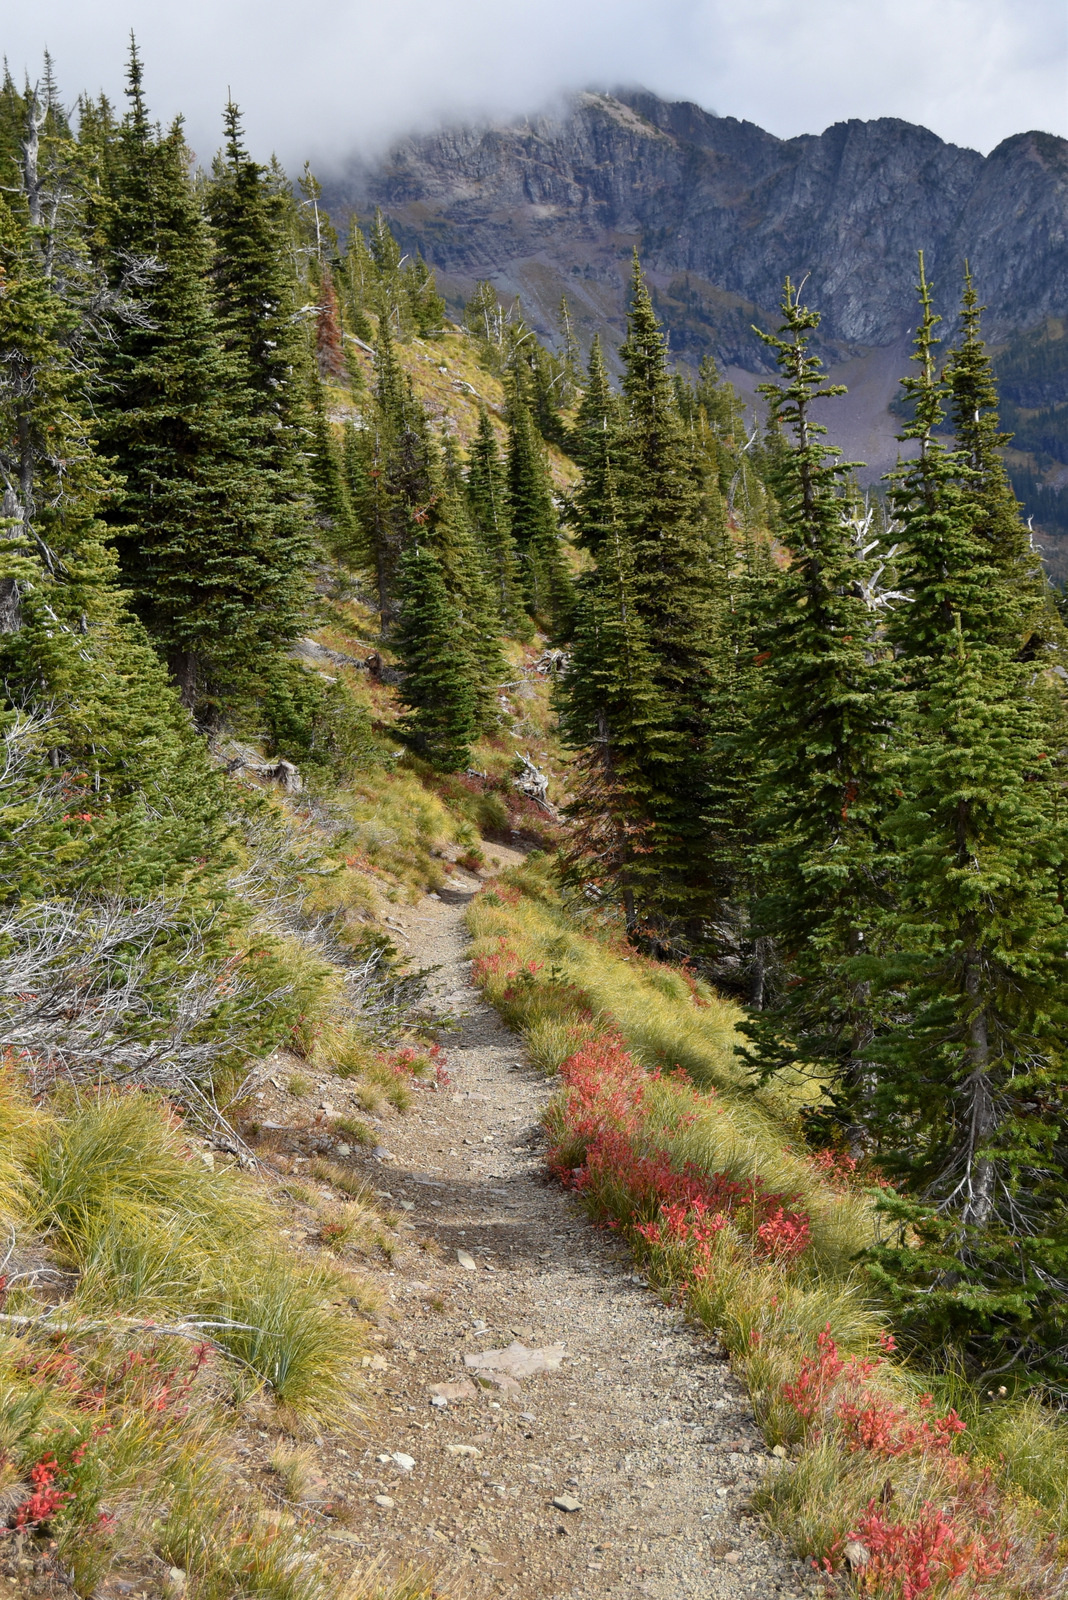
(384, 248)
(406, 462)
(484, 316)
(596, 445)
(972, 401)
(195, 525)
(255, 291)
(611, 714)
(267, 365)
(821, 726)
(117, 740)
(398, 484)
(970, 1098)
(533, 519)
(425, 306)
(361, 282)
(680, 607)
(436, 688)
(488, 502)
(451, 539)
(545, 381)
(328, 475)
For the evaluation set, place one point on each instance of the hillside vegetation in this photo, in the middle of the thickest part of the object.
(309, 592)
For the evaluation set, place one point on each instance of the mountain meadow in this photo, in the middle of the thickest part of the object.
(341, 610)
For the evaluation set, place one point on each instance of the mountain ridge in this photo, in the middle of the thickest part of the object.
(721, 211)
(736, 206)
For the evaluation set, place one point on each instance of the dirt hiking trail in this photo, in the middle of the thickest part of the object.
(641, 1428)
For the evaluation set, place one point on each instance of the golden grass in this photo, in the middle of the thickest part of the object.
(397, 824)
(157, 1235)
(294, 1466)
(155, 1243)
(375, 1582)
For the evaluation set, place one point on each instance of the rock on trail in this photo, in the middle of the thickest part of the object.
(568, 1435)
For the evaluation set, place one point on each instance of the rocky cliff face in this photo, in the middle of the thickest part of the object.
(558, 201)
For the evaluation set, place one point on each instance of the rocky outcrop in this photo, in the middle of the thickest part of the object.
(721, 211)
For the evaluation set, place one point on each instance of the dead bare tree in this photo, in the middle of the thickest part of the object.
(83, 991)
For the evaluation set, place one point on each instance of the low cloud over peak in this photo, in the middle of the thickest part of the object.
(348, 76)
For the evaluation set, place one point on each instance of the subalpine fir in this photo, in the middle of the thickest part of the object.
(399, 485)
(210, 572)
(822, 720)
(437, 688)
(256, 313)
(487, 497)
(533, 519)
(612, 717)
(679, 604)
(328, 470)
(969, 1099)
(596, 444)
(142, 805)
(449, 535)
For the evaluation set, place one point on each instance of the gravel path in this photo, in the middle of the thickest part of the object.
(642, 1425)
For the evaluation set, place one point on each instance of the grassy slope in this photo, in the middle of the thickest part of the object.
(456, 392)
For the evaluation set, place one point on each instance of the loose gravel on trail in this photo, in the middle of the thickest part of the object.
(642, 1429)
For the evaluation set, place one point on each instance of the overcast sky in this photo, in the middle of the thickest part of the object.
(329, 78)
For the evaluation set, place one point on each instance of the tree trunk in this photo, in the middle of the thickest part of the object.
(185, 672)
(981, 1113)
(10, 606)
(758, 974)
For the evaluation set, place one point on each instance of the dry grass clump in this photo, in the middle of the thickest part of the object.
(377, 1074)
(350, 1183)
(352, 1128)
(149, 1230)
(294, 1466)
(343, 1048)
(156, 1294)
(377, 1583)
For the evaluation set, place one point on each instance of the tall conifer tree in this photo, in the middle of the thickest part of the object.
(267, 360)
(680, 610)
(487, 496)
(195, 525)
(611, 714)
(115, 732)
(437, 685)
(596, 445)
(533, 518)
(449, 535)
(822, 724)
(970, 1100)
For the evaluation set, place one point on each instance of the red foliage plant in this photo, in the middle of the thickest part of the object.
(909, 1559)
(413, 1062)
(46, 1498)
(604, 1112)
(834, 1390)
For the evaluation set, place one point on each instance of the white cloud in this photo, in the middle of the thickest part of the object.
(336, 76)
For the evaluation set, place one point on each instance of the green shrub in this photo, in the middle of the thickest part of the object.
(313, 723)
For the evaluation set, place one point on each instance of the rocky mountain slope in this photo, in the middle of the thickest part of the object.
(721, 211)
